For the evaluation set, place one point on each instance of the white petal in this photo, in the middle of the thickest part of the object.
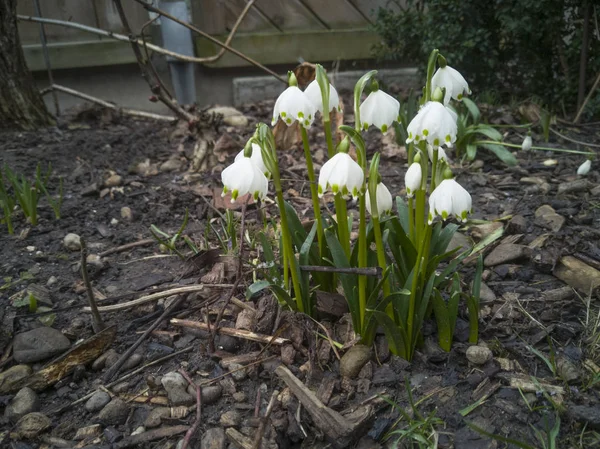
(294, 105)
(342, 172)
(434, 123)
(455, 84)
(244, 176)
(256, 158)
(413, 178)
(379, 109)
(313, 92)
(584, 168)
(384, 199)
(527, 143)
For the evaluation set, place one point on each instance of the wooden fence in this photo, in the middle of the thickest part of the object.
(273, 31)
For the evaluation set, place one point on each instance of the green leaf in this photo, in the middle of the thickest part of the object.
(471, 151)
(502, 153)
(396, 339)
(473, 109)
(490, 132)
(48, 319)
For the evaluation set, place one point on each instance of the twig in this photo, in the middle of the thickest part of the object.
(36, 8)
(589, 95)
(114, 369)
(240, 333)
(369, 271)
(150, 435)
(97, 323)
(107, 104)
(215, 379)
(210, 38)
(192, 430)
(263, 422)
(120, 249)
(238, 279)
(570, 139)
(149, 58)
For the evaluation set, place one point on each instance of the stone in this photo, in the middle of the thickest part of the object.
(504, 253)
(517, 225)
(595, 192)
(97, 402)
(460, 241)
(547, 217)
(126, 213)
(25, 401)
(230, 418)
(72, 242)
(114, 413)
(88, 432)
(176, 386)
(483, 230)
(51, 281)
(100, 362)
(94, 260)
(231, 116)
(172, 164)
(133, 361)
(579, 185)
(113, 180)
(211, 394)
(353, 360)
(577, 274)
(589, 414)
(39, 344)
(31, 425)
(238, 372)
(486, 294)
(13, 377)
(479, 355)
(155, 417)
(213, 439)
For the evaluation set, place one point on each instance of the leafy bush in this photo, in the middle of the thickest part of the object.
(516, 47)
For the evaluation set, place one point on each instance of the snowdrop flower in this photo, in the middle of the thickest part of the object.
(341, 174)
(584, 168)
(379, 109)
(450, 79)
(412, 179)
(292, 105)
(256, 158)
(313, 92)
(383, 197)
(527, 142)
(449, 198)
(435, 123)
(441, 154)
(242, 177)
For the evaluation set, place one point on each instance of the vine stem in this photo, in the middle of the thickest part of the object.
(313, 189)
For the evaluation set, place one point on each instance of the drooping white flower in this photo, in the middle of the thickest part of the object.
(412, 179)
(341, 174)
(379, 109)
(292, 105)
(441, 153)
(527, 143)
(383, 197)
(256, 158)
(242, 177)
(450, 79)
(434, 123)
(449, 198)
(584, 168)
(313, 92)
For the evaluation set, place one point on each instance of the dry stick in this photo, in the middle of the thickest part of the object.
(240, 333)
(97, 323)
(369, 271)
(123, 378)
(37, 9)
(107, 104)
(120, 249)
(589, 95)
(149, 59)
(210, 38)
(238, 279)
(192, 430)
(114, 369)
(263, 422)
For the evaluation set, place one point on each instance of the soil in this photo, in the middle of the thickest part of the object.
(523, 322)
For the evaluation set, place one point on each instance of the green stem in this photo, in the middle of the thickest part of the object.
(381, 258)
(362, 260)
(341, 213)
(411, 220)
(434, 164)
(328, 138)
(514, 145)
(430, 68)
(313, 189)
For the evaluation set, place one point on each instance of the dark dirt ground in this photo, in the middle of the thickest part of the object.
(527, 306)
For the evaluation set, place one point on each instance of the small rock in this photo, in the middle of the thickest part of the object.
(112, 358)
(227, 343)
(579, 185)
(31, 425)
(39, 344)
(504, 253)
(517, 225)
(51, 281)
(246, 319)
(567, 370)
(176, 385)
(459, 241)
(12, 377)
(90, 432)
(231, 116)
(577, 274)
(98, 400)
(24, 402)
(239, 396)
(238, 372)
(126, 213)
(483, 230)
(100, 362)
(353, 360)
(156, 416)
(114, 222)
(114, 413)
(589, 414)
(111, 435)
(213, 439)
(486, 294)
(133, 361)
(172, 164)
(138, 430)
(72, 242)
(230, 418)
(478, 355)
(211, 394)
(113, 180)
(94, 260)
(155, 351)
(547, 217)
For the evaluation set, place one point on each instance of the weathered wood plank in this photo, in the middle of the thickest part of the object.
(219, 16)
(338, 17)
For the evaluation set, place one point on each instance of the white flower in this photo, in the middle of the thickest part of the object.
(242, 177)
(256, 158)
(292, 105)
(449, 198)
(341, 174)
(412, 179)
(379, 109)
(384, 199)
(313, 92)
(584, 168)
(454, 83)
(441, 153)
(435, 123)
(527, 142)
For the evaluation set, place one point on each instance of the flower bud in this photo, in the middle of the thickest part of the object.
(584, 168)
(527, 143)
(412, 179)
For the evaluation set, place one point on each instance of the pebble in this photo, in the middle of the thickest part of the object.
(230, 418)
(97, 402)
(114, 222)
(239, 396)
(95, 261)
(51, 281)
(126, 213)
(172, 164)
(211, 394)
(155, 417)
(547, 217)
(478, 355)
(114, 413)
(133, 361)
(486, 294)
(39, 344)
(589, 414)
(113, 180)
(577, 274)
(579, 185)
(227, 343)
(213, 439)
(238, 372)
(504, 253)
(231, 116)
(12, 377)
(24, 402)
(176, 386)
(90, 432)
(31, 425)
(155, 351)
(100, 362)
(353, 360)
(72, 242)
